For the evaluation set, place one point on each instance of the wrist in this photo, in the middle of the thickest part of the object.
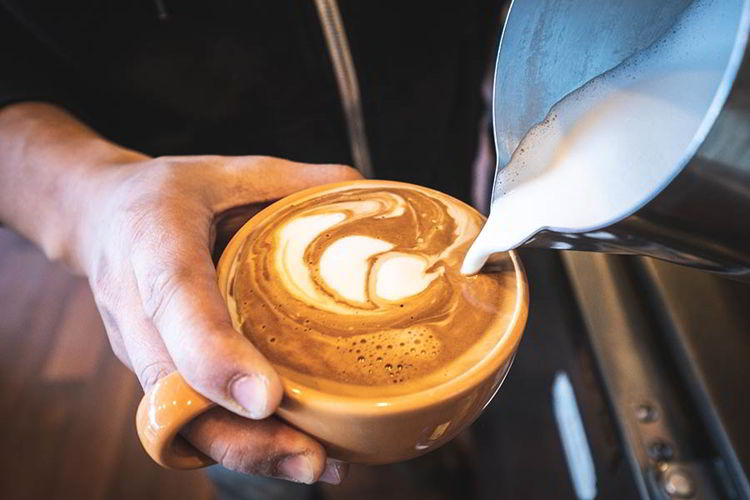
(91, 180)
(52, 168)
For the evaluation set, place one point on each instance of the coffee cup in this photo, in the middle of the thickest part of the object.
(401, 376)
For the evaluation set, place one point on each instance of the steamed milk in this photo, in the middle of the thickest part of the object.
(608, 147)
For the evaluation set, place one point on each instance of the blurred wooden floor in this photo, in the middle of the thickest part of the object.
(67, 405)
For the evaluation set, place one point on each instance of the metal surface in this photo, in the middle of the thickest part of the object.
(637, 374)
(348, 84)
(573, 436)
(702, 218)
(706, 321)
(529, 461)
(678, 483)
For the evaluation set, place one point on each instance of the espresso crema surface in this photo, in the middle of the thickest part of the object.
(358, 290)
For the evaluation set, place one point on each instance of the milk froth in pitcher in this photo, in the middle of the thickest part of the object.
(597, 168)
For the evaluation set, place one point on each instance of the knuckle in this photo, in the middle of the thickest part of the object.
(150, 199)
(347, 172)
(162, 286)
(164, 173)
(238, 458)
(135, 219)
(259, 161)
(207, 365)
(230, 456)
(151, 373)
(337, 172)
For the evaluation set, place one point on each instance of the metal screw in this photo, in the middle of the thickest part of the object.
(645, 413)
(678, 484)
(659, 450)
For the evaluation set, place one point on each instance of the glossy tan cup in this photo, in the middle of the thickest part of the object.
(353, 429)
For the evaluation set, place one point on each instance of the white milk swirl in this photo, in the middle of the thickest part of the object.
(357, 270)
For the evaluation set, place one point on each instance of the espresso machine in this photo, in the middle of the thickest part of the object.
(648, 315)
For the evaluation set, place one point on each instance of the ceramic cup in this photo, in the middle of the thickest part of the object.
(353, 429)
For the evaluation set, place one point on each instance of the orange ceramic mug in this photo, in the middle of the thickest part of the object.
(353, 429)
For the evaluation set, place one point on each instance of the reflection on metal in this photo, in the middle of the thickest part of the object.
(573, 436)
(702, 218)
(346, 78)
(678, 483)
(654, 419)
(646, 413)
(705, 322)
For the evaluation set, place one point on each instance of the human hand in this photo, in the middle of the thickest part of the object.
(144, 241)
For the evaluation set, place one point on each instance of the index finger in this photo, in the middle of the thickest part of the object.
(253, 179)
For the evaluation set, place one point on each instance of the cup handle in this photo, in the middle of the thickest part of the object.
(164, 410)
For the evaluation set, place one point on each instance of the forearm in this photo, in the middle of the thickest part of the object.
(50, 164)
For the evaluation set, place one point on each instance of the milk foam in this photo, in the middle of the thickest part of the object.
(399, 276)
(294, 238)
(608, 147)
(344, 266)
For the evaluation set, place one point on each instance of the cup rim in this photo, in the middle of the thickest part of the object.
(501, 352)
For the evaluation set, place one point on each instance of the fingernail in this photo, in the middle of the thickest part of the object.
(297, 468)
(334, 472)
(251, 392)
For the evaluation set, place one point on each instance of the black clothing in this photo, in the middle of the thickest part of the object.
(254, 77)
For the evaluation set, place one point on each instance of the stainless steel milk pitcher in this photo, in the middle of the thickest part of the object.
(700, 218)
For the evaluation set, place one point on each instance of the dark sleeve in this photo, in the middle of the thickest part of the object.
(28, 69)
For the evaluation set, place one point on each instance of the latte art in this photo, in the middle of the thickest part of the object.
(360, 287)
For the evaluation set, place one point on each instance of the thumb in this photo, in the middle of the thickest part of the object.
(254, 179)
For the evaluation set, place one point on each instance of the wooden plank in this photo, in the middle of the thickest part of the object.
(79, 339)
(67, 404)
(22, 274)
(137, 476)
(24, 351)
(95, 437)
(47, 417)
(33, 297)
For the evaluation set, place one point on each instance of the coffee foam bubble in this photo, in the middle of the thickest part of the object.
(360, 288)
(387, 356)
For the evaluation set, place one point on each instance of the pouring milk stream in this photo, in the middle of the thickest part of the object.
(594, 159)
